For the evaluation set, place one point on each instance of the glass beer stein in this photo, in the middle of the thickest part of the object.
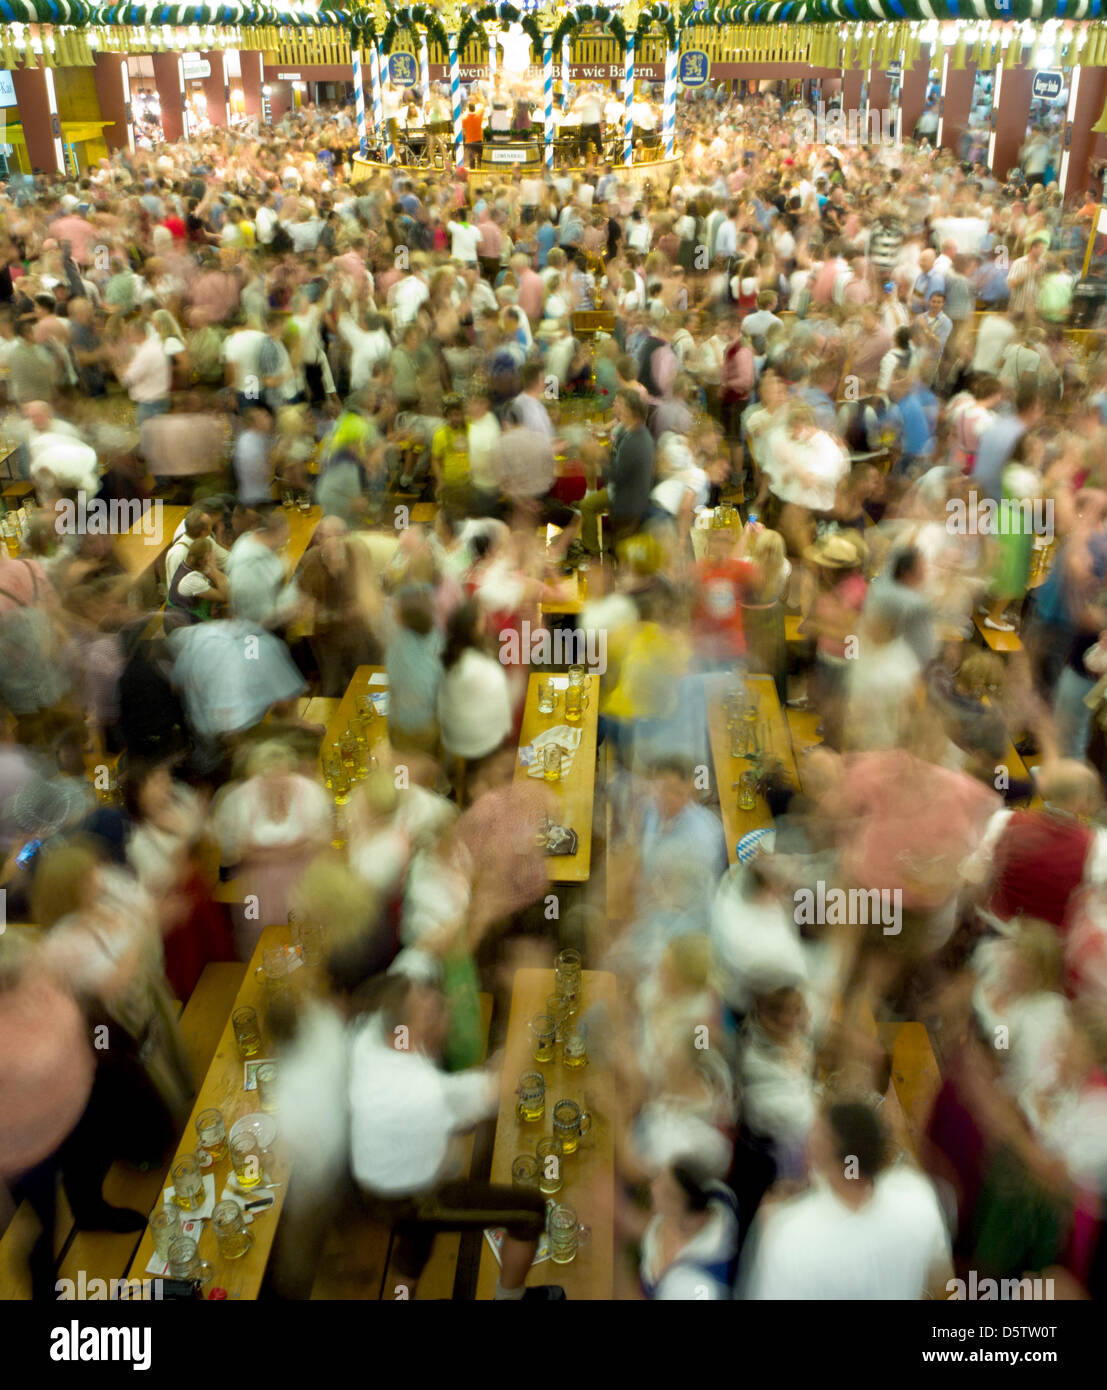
(566, 1235)
(549, 1153)
(231, 1235)
(212, 1133)
(188, 1183)
(543, 1030)
(532, 1096)
(570, 1124)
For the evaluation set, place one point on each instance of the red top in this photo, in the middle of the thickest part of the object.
(1039, 865)
(717, 617)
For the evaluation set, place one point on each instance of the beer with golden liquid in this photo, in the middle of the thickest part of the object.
(532, 1097)
(247, 1033)
(233, 1247)
(246, 1161)
(551, 763)
(574, 704)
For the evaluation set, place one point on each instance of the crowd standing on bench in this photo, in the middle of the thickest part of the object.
(861, 346)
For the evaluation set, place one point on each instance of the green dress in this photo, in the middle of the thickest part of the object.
(1014, 532)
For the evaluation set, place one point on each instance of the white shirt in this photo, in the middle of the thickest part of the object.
(404, 1111)
(815, 1247)
(405, 297)
(241, 351)
(265, 224)
(464, 240)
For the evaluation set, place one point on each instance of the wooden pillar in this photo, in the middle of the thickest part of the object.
(169, 80)
(912, 91)
(1087, 93)
(113, 92)
(217, 88)
(250, 65)
(1010, 116)
(956, 102)
(38, 111)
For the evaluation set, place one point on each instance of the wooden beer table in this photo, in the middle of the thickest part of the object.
(576, 794)
(728, 770)
(223, 1090)
(589, 1173)
(347, 709)
(301, 528)
(139, 554)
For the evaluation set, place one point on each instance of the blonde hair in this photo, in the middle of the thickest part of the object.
(270, 757)
(330, 892)
(59, 884)
(769, 553)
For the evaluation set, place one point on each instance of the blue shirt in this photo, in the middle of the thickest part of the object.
(996, 446)
(919, 411)
(547, 236)
(933, 282)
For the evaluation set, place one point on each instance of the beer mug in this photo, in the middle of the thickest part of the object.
(547, 698)
(570, 1124)
(311, 943)
(549, 1151)
(247, 1033)
(165, 1228)
(231, 1235)
(555, 1008)
(213, 1135)
(532, 1096)
(544, 1031)
(575, 1052)
(524, 1174)
(273, 969)
(188, 1183)
(343, 781)
(574, 704)
(551, 762)
(246, 1159)
(304, 502)
(184, 1259)
(567, 979)
(347, 749)
(267, 1087)
(287, 499)
(577, 676)
(747, 791)
(566, 1235)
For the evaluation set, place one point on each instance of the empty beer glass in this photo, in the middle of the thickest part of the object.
(524, 1173)
(247, 1033)
(188, 1183)
(547, 697)
(165, 1227)
(213, 1134)
(231, 1235)
(532, 1096)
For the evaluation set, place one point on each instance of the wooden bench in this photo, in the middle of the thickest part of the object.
(106, 1254)
(915, 1073)
(1004, 642)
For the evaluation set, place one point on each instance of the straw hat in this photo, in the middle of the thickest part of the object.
(838, 551)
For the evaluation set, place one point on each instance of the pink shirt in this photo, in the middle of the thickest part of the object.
(46, 1078)
(147, 375)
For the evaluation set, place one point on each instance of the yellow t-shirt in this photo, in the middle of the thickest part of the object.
(450, 451)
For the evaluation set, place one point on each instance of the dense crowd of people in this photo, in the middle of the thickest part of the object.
(866, 349)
